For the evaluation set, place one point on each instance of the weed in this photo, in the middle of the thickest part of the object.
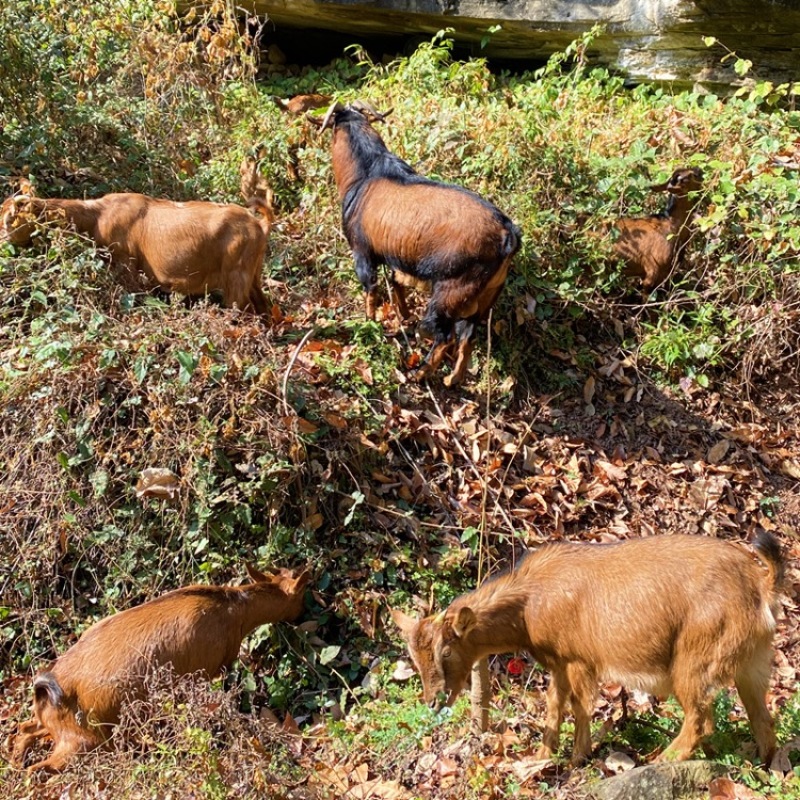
(343, 465)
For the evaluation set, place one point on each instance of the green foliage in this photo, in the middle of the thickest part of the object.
(788, 722)
(393, 723)
(731, 743)
(99, 381)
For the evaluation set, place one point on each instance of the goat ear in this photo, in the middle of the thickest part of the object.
(12, 208)
(255, 575)
(464, 622)
(314, 119)
(405, 623)
(302, 580)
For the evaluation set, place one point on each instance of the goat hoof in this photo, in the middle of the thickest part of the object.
(544, 754)
(452, 380)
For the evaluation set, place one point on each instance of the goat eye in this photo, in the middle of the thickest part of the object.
(447, 652)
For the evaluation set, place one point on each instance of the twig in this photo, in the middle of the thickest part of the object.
(309, 333)
(485, 488)
(467, 458)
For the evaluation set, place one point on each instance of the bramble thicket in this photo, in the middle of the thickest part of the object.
(589, 412)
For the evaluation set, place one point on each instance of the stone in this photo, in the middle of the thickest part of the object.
(645, 40)
(682, 780)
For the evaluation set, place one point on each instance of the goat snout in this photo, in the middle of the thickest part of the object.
(440, 700)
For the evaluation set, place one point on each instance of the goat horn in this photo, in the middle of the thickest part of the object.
(380, 116)
(332, 109)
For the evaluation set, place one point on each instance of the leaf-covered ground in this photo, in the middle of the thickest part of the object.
(587, 415)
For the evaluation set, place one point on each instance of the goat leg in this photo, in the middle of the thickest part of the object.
(557, 698)
(623, 701)
(480, 695)
(465, 330)
(399, 299)
(439, 325)
(29, 733)
(369, 305)
(368, 275)
(432, 361)
(258, 301)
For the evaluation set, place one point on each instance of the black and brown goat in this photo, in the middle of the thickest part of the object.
(199, 629)
(682, 615)
(429, 234)
(652, 247)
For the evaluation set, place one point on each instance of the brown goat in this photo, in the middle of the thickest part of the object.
(295, 106)
(301, 103)
(680, 615)
(192, 248)
(652, 247)
(430, 234)
(77, 701)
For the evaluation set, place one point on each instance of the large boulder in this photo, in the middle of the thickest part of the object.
(647, 40)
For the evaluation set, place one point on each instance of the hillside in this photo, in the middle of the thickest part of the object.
(589, 414)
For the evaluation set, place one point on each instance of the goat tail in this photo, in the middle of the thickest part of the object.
(513, 239)
(46, 689)
(768, 550)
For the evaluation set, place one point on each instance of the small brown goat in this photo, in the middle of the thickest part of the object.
(195, 629)
(652, 247)
(192, 248)
(301, 103)
(682, 615)
(298, 139)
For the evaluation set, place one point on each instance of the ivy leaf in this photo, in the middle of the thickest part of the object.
(327, 654)
(188, 362)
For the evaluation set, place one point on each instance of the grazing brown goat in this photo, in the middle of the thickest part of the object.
(195, 629)
(682, 615)
(298, 139)
(652, 247)
(301, 103)
(192, 248)
(429, 234)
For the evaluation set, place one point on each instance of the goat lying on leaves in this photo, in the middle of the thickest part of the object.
(192, 248)
(682, 615)
(77, 701)
(429, 234)
(652, 247)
